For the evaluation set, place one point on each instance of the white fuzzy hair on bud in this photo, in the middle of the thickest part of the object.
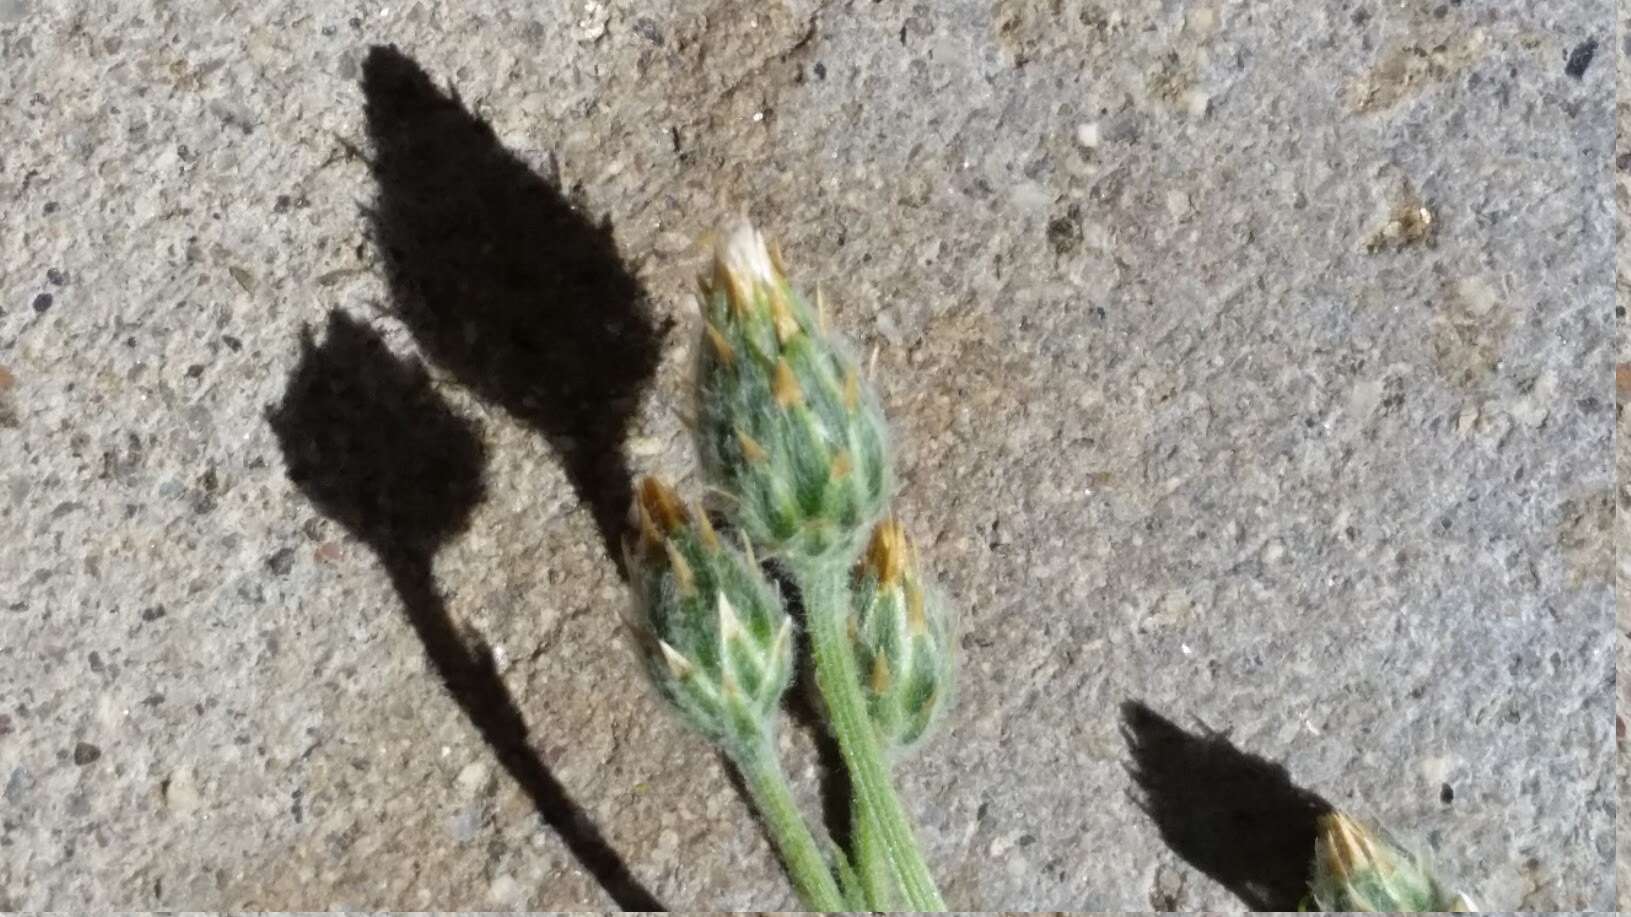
(743, 252)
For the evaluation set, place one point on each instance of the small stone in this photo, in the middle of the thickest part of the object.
(474, 778)
(56, 277)
(1580, 58)
(42, 302)
(645, 446)
(17, 786)
(180, 792)
(1178, 203)
(85, 753)
(281, 562)
(466, 825)
(504, 889)
(646, 28)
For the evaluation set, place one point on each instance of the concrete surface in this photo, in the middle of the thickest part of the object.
(1622, 451)
(1249, 360)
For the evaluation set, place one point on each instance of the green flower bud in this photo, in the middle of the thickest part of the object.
(902, 639)
(785, 423)
(712, 631)
(1356, 869)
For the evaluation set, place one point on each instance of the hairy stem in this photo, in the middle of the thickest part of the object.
(826, 604)
(767, 783)
(871, 866)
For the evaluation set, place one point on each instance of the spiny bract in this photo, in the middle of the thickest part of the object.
(1356, 869)
(710, 627)
(901, 637)
(786, 425)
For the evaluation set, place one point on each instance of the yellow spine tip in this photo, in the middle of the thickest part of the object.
(852, 389)
(880, 675)
(705, 528)
(751, 450)
(841, 465)
(776, 258)
(684, 579)
(722, 348)
(781, 315)
(785, 388)
(917, 620)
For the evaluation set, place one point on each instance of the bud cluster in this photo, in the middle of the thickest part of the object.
(901, 636)
(713, 633)
(785, 422)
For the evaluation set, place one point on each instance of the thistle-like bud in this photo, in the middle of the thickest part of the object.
(1356, 869)
(785, 422)
(715, 638)
(902, 638)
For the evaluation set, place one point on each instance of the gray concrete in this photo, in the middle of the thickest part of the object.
(1248, 359)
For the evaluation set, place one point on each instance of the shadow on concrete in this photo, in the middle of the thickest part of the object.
(506, 286)
(514, 294)
(374, 447)
(1231, 814)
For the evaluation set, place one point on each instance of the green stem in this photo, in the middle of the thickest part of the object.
(870, 864)
(826, 606)
(766, 781)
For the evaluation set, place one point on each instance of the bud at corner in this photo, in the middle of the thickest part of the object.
(786, 424)
(902, 638)
(1356, 869)
(714, 636)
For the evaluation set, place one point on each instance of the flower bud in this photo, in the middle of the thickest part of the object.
(902, 638)
(715, 638)
(785, 423)
(1356, 869)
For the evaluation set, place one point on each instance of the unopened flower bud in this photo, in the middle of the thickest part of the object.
(1356, 869)
(712, 631)
(785, 423)
(902, 638)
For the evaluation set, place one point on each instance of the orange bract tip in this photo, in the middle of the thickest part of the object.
(661, 505)
(683, 577)
(886, 554)
(1350, 847)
